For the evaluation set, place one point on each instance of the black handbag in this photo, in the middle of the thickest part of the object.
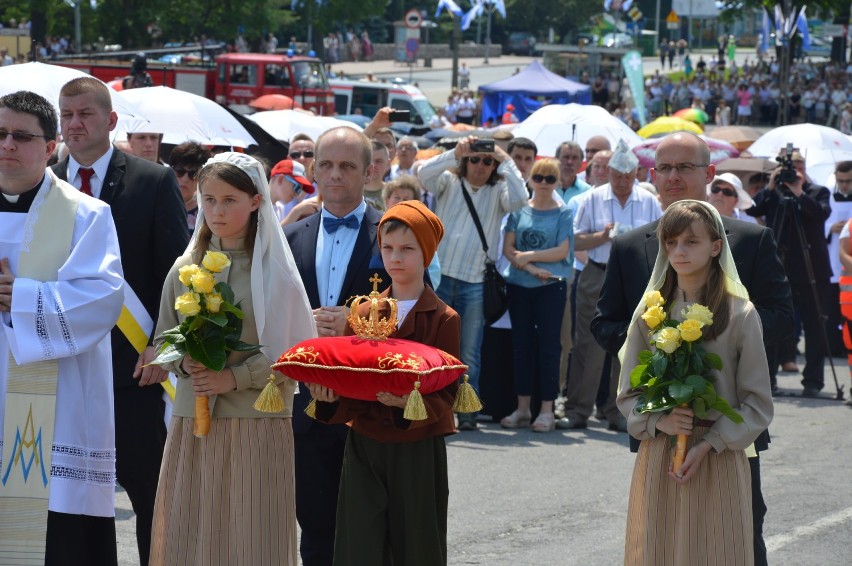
(495, 297)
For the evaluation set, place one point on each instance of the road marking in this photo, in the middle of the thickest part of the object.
(778, 541)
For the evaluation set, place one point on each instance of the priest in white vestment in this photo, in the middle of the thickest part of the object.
(61, 292)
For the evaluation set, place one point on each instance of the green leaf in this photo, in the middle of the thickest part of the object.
(681, 392)
(239, 346)
(723, 407)
(636, 375)
(227, 293)
(713, 360)
(699, 407)
(681, 365)
(219, 319)
(659, 363)
(698, 383)
(645, 357)
(229, 308)
(209, 350)
(170, 353)
(195, 322)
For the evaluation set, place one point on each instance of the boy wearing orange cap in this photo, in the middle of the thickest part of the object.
(394, 487)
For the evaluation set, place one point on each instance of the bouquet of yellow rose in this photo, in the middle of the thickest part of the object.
(211, 329)
(677, 372)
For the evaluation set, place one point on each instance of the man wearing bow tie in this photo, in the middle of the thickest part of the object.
(336, 251)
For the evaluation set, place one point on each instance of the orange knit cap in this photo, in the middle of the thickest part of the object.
(427, 227)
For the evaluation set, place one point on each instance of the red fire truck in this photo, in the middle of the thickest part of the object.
(234, 80)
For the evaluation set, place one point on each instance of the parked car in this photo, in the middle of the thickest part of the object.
(618, 39)
(520, 43)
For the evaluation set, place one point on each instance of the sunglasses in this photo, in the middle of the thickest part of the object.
(180, 172)
(299, 154)
(548, 179)
(20, 137)
(485, 160)
(725, 191)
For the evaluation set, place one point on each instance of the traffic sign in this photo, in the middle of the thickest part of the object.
(672, 18)
(413, 19)
(634, 13)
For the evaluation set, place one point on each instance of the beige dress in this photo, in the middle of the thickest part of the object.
(228, 498)
(707, 521)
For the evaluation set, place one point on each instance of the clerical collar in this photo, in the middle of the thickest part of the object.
(21, 202)
(840, 197)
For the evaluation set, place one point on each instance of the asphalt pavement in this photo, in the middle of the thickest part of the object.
(523, 499)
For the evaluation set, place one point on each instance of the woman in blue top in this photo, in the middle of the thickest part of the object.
(539, 239)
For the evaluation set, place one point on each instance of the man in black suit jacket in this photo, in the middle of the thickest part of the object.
(151, 223)
(632, 259)
(336, 251)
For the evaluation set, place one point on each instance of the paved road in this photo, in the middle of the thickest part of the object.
(519, 498)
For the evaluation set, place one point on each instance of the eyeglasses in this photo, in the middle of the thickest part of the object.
(180, 172)
(548, 179)
(485, 160)
(20, 137)
(682, 168)
(299, 154)
(724, 190)
(405, 148)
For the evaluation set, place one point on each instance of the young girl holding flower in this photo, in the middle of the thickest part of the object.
(700, 513)
(228, 497)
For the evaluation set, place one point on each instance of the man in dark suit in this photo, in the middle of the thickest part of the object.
(336, 251)
(682, 171)
(151, 223)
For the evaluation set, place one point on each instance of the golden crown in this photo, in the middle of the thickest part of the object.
(372, 327)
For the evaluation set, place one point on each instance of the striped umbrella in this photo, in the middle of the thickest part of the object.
(696, 115)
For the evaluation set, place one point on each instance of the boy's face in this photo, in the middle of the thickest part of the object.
(402, 256)
(397, 196)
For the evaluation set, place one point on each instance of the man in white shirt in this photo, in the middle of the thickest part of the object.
(406, 152)
(603, 213)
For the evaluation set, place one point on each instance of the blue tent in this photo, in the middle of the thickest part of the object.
(523, 89)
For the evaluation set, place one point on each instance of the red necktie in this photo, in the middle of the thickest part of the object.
(86, 176)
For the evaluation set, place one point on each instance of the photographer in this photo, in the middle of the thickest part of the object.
(794, 207)
(138, 77)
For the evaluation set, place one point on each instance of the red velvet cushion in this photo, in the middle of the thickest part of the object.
(357, 368)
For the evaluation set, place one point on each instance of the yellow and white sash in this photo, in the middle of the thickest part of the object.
(30, 408)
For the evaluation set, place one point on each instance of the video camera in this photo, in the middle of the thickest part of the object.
(787, 174)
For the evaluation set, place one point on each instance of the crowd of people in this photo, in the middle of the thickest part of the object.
(578, 239)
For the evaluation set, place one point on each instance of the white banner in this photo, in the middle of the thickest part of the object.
(695, 8)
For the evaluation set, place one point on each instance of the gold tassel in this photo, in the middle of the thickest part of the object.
(415, 410)
(311, 409)
(270, 400)
(467, 401)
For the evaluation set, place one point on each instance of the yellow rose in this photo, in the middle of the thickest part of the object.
(700, 313)
(202, 282)
(215, 261)
(668, 340)
(654, 316)
(187, 304)
(653, 299)
(690, 330)
(213, 302)
(186, 272)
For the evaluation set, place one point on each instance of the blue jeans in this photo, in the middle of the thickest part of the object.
(466, 299)
(536, 314)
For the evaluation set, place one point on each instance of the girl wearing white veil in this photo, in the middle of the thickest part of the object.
(703, 513)
(229, 497)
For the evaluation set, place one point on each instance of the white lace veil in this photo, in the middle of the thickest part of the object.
(282, 312)
(732, 278)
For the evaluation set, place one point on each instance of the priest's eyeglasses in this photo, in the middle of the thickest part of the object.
(682, 168)
(20, 137)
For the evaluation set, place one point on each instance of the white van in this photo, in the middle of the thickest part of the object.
(370, 96)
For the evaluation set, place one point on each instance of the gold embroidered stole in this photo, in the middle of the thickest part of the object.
(30, 409)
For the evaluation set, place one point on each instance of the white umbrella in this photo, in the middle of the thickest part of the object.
(556, 123)
(820, 164)
(805, 137)
(284, 124)
(183, 116)
(48, 80)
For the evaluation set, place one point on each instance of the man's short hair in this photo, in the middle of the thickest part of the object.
(523, 143)
(301, 137)
(569, 145)
(26, 102)
(503, 135)
(843, 167)
(85, 85)
(379, 146)
(189, 153)
(364, 141)
(408, 140)
(384, 131)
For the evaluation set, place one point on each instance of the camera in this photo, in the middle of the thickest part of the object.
(399, 116)
(482, 146)
(787, 174)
